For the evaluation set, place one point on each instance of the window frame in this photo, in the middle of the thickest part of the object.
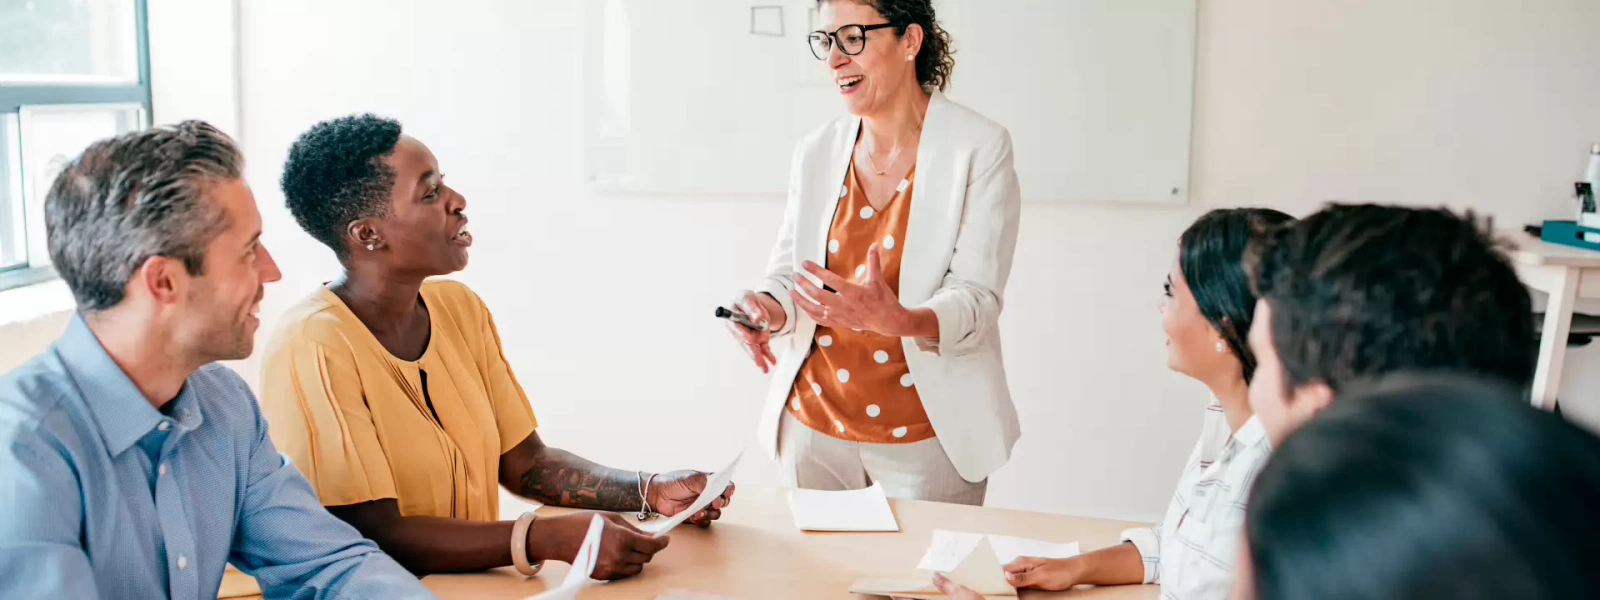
(15, 97)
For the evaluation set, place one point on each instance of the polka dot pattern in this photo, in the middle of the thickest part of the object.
(847, 387)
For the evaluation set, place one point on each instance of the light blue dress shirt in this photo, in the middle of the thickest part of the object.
(103, 496)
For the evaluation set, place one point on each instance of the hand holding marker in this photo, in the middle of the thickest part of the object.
(740, 318)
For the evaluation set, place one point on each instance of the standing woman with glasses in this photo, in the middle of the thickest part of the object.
(885, 286)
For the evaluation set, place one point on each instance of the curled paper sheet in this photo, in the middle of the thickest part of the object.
(582, 566)
(716, 484)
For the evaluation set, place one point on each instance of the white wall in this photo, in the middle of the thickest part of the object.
(602, 301)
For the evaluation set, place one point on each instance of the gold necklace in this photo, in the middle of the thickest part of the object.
(893, 154)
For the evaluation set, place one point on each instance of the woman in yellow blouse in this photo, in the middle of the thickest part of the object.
(392, 393)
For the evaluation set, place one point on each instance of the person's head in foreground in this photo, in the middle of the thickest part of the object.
(1357, 291)
(1208, 305)
(1427, 487)
(156, 232)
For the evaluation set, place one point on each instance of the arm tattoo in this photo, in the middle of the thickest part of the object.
(560, 478)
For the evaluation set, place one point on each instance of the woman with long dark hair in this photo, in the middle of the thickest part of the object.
(1206, 314)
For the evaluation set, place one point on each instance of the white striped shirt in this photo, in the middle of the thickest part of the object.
(1192, 550)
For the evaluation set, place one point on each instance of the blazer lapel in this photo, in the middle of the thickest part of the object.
(833, 170)
(926, 249)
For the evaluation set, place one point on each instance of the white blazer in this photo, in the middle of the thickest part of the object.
(958, 250)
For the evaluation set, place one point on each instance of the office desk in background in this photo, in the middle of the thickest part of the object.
(755, 553)
(1566, 274)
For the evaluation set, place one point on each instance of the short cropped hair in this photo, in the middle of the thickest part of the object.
(336, 174)
(133, 197)
(1428, 487)
(1359, 291)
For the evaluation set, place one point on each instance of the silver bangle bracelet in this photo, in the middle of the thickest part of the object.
(645, 512)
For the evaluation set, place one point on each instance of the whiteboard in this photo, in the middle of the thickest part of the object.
(705, 98)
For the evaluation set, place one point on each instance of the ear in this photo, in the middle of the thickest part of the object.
(360, 234)
(913, 39)
(163, 279)
(1309, 399)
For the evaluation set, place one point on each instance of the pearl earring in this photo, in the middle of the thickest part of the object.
(372, 246)
(1221, 348)
(911, 57)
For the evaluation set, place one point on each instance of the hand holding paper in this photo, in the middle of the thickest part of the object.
(717, 485)
(971, 563)
(582, 566)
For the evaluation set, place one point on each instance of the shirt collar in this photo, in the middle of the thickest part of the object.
(120, 410)
(1251, 432)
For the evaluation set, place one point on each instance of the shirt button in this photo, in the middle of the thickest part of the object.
(164, 426)
(183, 562)
(162, 469)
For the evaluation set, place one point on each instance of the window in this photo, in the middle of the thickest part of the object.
(71, 72)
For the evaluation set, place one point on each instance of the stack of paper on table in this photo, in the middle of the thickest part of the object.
(974, 560)
(851, 510)
(582, 566)
(715, 486)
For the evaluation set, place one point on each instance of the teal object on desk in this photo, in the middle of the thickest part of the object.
(1568, 233)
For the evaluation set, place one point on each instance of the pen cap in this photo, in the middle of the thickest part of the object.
(1592, 174)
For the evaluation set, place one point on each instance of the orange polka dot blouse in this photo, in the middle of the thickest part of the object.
(855, 385)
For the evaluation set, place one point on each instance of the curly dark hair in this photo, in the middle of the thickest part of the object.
(335, 174)
(1211, 258)
(1358, 291)
(935, 59)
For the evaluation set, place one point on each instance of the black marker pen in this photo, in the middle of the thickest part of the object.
(740, 318)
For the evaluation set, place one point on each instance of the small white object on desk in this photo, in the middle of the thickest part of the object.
(862, 510)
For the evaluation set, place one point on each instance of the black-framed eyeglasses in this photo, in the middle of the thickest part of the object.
(852, 39)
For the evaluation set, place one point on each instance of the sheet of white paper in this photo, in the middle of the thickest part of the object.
(715, 485)
(948, 549)
(853, 510)
(1007, 548)
(975, 559)
(582, 566)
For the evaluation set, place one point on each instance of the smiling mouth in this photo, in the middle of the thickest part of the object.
(848, 83)
(462, 237)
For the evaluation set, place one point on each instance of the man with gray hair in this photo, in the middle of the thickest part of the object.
(131, 466)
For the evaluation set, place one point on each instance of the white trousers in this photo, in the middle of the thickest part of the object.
(814, 460)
